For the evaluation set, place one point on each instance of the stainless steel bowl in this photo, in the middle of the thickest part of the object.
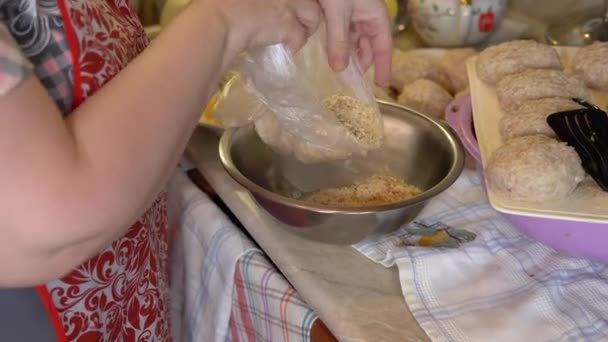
(423, 150)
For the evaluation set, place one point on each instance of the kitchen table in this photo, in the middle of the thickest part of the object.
(354, 298)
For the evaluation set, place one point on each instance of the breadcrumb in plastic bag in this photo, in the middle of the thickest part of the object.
(310, 112)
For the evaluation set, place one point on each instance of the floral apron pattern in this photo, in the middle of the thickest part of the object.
(77, 46)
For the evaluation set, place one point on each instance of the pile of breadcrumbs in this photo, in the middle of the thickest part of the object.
(375, 190)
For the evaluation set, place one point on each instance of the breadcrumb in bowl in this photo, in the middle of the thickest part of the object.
(423, 155)
(375, 190)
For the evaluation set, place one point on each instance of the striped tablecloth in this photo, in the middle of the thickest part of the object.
(223, 287)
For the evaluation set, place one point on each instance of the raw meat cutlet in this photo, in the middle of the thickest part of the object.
(513, 126)
(408, 67)
(426, 97)
(498, 61)
(534, 168)
(546, 105)
(531, 117)
(514, 90)
(591, 64)
(453, 63)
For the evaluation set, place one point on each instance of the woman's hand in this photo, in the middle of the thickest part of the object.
(364, 23)
(258, 23)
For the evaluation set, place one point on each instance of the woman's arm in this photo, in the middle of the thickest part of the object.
(71, 186)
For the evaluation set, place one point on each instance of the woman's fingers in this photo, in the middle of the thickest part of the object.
(365, 53)
(296, 34)
(371, 21)
(338, 15)
(253, 24)
(308, 13)
(368, 23)
(363, 46)
(382, 49)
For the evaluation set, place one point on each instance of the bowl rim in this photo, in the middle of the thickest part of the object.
(225, 146)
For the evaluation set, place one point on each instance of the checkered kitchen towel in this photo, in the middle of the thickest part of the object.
(264, 305)
(501, 286)
(223, 288)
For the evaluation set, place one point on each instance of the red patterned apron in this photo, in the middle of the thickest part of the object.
(122, 293)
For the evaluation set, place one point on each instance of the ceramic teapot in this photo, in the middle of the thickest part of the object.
(453, 23)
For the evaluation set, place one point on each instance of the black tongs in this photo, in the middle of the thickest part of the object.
(586, 130)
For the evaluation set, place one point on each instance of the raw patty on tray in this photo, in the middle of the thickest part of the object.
(426, 97)
(532, 84)
(547, 105)
(534, 168)
(408, 67)
(453, 63)
(531, 117)
(513, 126)
(591, 64)
(463, 92)
(498, 61)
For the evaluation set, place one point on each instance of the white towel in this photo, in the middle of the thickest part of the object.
(204, 251)
(500, 287)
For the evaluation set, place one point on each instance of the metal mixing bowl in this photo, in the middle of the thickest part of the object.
(423, 150)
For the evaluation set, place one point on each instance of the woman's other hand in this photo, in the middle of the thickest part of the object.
(364, 23)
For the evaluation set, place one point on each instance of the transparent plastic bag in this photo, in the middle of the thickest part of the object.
(236, 105)
(298, 92)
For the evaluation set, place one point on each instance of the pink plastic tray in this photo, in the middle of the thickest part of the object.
(587, 240)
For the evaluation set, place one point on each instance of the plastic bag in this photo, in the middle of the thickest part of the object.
(309, 111)
(237, 105)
